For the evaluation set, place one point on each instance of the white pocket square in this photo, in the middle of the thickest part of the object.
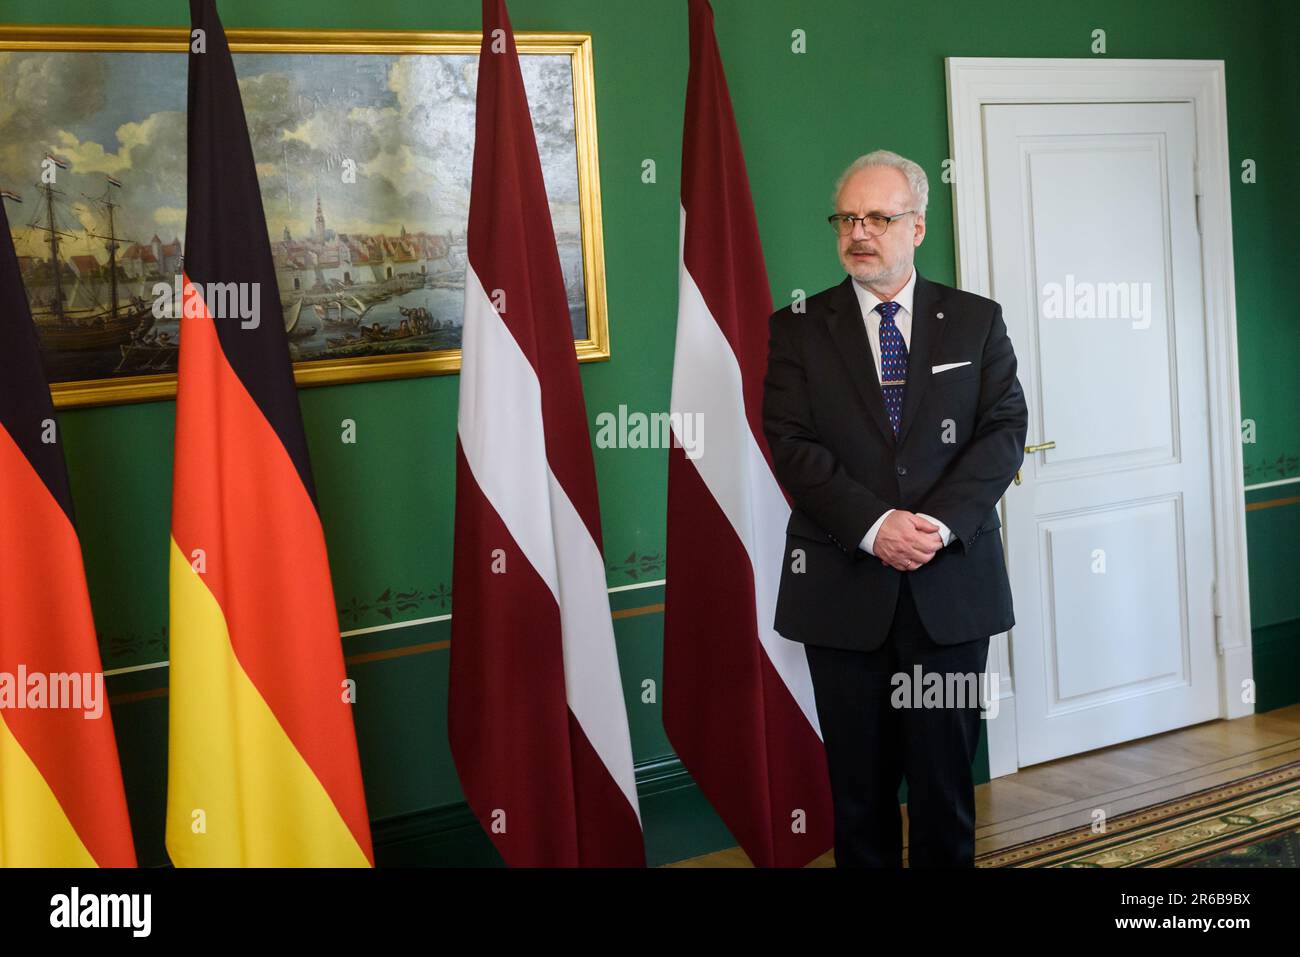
(948, 365)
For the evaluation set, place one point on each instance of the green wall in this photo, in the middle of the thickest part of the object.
(872, 76)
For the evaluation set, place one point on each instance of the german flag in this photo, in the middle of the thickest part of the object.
(61, 797)
(263, 767)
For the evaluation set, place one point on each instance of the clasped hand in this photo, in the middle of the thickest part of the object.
(906, 541)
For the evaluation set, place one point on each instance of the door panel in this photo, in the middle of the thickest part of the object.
(1096, 261)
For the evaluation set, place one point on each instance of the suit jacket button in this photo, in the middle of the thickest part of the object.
(902, 470)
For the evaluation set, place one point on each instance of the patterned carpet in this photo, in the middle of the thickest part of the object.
(1251, 822)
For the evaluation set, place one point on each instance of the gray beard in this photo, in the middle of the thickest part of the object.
(866, 273)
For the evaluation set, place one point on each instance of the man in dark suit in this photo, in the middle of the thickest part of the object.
(896, 421)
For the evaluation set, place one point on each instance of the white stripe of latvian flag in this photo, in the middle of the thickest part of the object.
(503, 436)
(707, 380)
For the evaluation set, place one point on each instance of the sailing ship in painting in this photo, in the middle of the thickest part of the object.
(77, 304)
(343, 295)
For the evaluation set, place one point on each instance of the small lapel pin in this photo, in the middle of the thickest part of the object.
(938, 315)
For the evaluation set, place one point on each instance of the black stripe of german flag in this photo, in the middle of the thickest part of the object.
(231, 243)
(24, 395)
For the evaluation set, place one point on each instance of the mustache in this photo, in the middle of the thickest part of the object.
(858, 248)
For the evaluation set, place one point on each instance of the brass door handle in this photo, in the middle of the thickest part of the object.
(1040, 447)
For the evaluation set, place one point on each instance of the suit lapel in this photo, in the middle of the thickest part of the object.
(849, 330)
(927, 331)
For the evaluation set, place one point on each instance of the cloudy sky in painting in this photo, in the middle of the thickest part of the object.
(406, 121)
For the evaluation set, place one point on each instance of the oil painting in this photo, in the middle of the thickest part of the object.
(364, 146)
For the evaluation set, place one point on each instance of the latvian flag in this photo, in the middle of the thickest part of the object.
(61, 797)
(738, 698)
(537, 718)
(263, 767)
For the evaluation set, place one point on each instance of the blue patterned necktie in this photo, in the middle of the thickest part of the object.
(893, 363)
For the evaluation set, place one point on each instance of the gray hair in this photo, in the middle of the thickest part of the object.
(916, 179)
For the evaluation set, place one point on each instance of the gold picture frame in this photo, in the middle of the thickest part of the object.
(577, 46)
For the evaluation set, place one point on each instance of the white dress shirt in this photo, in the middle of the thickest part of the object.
(868, 301)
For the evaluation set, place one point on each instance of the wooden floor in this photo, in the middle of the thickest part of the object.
(1062, 794)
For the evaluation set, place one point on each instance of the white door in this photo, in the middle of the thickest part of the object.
(1096, 261)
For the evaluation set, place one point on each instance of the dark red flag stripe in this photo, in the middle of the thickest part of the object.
(775, 762)
(530, 778)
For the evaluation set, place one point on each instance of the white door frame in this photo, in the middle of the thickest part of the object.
(975, 81)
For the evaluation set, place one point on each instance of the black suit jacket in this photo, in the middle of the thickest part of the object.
(834, 452)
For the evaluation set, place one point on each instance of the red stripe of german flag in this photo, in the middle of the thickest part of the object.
(263, 768)
(61, 797)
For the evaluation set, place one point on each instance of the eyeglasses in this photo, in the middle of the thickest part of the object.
(873, 224)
